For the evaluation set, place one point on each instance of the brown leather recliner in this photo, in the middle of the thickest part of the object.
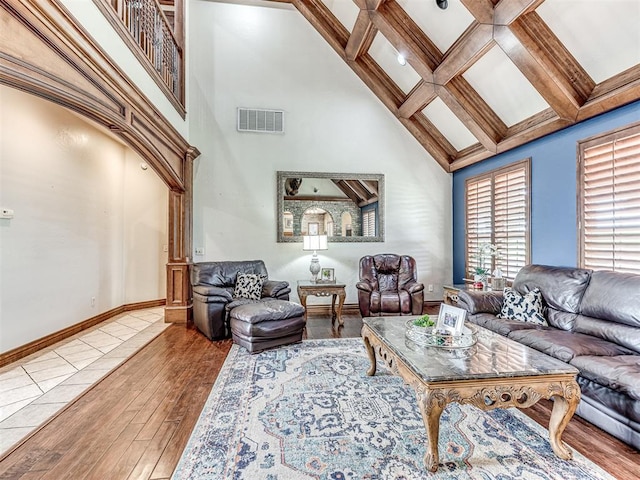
(388, 286)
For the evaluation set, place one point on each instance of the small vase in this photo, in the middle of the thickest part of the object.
(479, 280)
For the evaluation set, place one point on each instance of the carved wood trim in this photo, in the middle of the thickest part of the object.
(58, 60)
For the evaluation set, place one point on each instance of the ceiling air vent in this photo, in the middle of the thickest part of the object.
(260, 120)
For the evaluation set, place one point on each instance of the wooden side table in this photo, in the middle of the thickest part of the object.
(451, 292)
(307, 287)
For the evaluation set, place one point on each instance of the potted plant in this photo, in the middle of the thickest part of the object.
(481, 271)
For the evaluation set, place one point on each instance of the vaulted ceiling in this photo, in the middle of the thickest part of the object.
(484, 76)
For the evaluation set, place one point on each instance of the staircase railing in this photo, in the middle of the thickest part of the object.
(151, 31)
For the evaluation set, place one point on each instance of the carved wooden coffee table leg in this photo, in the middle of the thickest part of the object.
(372, 355)
(431, 409)
(564, 407)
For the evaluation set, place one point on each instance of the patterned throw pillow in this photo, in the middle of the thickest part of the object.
(248, 285)
(527, 308)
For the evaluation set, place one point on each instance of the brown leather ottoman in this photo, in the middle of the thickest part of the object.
(270, 323)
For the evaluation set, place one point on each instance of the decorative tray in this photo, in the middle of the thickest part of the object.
(428, 337)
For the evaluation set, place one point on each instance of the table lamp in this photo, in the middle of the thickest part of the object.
(314, 243)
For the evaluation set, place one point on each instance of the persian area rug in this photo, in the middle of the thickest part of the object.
(309, 411)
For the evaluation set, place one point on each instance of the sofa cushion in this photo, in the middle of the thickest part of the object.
(562, 287)
(559, 319)
(613, 296)
(223, 274)
(500, 325)
(267, 311)
(524, 308)
(480, 301)
(614, 332)
(248, 285)
(567, 345)
(619, 372)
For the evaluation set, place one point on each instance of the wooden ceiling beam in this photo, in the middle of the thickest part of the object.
(474, 43)
(527, 40)
(482, 10)
(473, 111)
(362, 193)
(548, 85)
(429, 137)
(508, 11)
(536, 126)
(361, 36)
(321, 18)
(407, 38)
(345, 187)
(334, 33)
(469, 156)
(612, 93)
(417, 99)
(371, 186)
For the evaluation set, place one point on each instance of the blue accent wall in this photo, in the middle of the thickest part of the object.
(553, 189)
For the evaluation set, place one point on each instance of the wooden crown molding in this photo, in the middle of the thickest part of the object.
(512, 25)
(44, 51)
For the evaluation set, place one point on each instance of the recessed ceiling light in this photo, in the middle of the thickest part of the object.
(401, 59)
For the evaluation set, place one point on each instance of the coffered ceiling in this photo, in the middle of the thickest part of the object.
(484, 76)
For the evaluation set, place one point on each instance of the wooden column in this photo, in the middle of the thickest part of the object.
(179, 305)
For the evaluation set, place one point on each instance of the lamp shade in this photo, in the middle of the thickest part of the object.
(314, 242)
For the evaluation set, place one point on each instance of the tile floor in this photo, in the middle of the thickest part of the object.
(36, 387)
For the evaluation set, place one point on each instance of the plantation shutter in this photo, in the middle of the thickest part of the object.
(497, 212)
(610, 202)
(369, 223)
(511, 207)
(478, 217)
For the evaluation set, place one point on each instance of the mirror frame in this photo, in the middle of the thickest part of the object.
(281, 238)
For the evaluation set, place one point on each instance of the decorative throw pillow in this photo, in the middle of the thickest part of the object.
(527, 308)
(248, 285)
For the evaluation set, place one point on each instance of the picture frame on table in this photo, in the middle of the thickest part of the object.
(314, 228)
(450, 320)
(327, 275)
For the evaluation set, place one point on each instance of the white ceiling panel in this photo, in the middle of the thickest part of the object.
(449, 125)
(344, 10)
(443, 27)
(602, 35)
(505, 89)
(387, 57)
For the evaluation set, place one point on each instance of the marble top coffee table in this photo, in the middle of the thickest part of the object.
(494, 373)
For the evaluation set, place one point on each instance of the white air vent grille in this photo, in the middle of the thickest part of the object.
(259, 120)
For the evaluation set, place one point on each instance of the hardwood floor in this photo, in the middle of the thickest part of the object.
(135, 423)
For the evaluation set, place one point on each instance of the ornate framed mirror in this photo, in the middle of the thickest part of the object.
(347, 207)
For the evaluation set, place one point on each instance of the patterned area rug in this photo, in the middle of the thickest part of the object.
(309, 411)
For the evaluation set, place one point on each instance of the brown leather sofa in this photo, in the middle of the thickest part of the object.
(594, 325)
(213, 286)
(388, 286)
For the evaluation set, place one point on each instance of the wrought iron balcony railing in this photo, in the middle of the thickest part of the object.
(148, 27)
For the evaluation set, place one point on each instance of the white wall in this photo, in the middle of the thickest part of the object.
(269, 56)
(88, 222)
